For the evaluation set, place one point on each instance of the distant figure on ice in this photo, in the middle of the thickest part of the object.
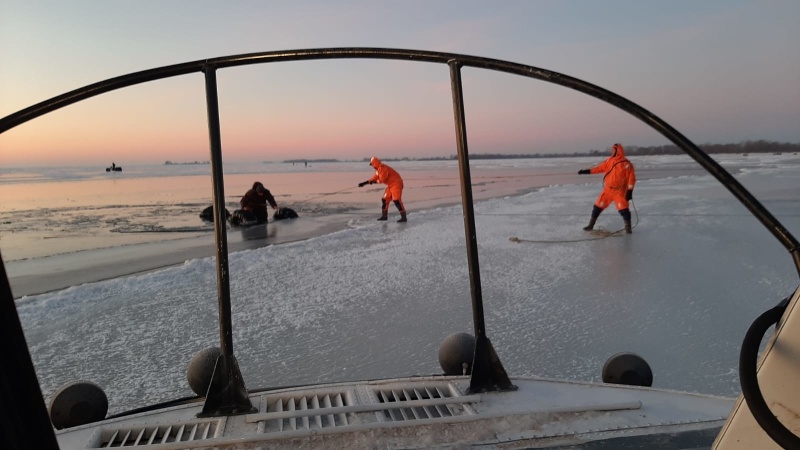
(255, 202)
(394, 188)
(618, 184)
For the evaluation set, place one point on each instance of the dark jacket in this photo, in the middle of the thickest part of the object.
(256, 203)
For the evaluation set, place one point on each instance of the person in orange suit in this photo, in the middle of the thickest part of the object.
(255, 201)
(394, 188)
(618, 183)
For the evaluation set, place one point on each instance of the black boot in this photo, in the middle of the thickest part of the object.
(402, 217)
(384, 215)
(626, 217)
(590, 227)
(596, 210)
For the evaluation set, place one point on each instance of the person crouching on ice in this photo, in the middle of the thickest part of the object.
(394, 188)
(255, 202)
(618, 184)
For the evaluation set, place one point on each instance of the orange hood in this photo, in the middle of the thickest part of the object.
(617, 151)
(375, 162)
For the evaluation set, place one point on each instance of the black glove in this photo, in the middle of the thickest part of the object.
(362, 183)
(584, 172)
(629, 194)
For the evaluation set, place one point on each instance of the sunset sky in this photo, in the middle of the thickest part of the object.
(718, 71)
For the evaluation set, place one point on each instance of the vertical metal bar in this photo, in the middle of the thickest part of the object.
(227, 393)
(487, 372)
(466, 199)
(218, 200)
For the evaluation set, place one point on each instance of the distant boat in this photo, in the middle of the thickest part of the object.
(114, 168)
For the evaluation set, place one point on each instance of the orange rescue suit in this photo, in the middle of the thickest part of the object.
(388, 176)
(620, 178)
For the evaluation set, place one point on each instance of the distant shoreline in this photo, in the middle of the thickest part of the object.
(760, 146)
(173, 163)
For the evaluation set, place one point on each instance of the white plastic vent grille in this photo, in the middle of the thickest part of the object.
(297, 413)
(429, 402)
(162, 434)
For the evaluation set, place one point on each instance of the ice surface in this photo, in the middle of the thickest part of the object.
(376, 300)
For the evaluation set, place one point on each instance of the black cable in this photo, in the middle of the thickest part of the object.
(748, 377)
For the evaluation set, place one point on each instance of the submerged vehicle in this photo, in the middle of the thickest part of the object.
(475, 403)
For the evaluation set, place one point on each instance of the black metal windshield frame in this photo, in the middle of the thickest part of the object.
(773, 225)
(487, 372)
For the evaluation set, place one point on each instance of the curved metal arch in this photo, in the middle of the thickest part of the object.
(754, 206)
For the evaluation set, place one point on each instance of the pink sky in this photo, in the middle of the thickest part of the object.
(690, 63)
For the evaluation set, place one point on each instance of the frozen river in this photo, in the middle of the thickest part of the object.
(376, 299)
